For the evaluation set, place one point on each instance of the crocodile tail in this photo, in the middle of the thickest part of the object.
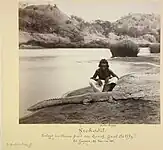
(58, 101)
(45, 103)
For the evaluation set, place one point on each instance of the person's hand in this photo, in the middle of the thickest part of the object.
(99, 82)
(107, 80)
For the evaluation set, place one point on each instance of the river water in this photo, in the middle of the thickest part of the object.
(49, 73)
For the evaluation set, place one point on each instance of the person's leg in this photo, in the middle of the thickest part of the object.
(110, 84)
(113, 80)
(95, 86)
(106, 88)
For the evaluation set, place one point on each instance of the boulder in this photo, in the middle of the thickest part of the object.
(154, 48)
(124, 48)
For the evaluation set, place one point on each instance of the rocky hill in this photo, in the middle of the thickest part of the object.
(48, 27)
(136, 25)
(48, 23)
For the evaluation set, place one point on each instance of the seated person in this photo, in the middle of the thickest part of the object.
(106, 80)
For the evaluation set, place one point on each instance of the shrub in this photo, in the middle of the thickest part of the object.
(77, 18)
(155, 48)
(149, 37)
(68, 22)
(122, 30)
(124, 48)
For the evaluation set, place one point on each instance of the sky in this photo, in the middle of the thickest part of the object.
(102, 9)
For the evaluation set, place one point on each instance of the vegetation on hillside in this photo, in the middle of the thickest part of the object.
(62, 30)
(137, 24)
(47, 19)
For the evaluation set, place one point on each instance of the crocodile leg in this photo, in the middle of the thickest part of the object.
(87, 100)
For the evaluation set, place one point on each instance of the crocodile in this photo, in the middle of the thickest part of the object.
(78, 99)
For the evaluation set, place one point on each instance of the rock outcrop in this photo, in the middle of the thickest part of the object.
(155, 48)
(124, 48)
(138, 86)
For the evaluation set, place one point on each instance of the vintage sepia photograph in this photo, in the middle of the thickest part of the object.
(89, 62)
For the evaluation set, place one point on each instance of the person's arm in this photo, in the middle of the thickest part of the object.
(113, 74)
(95, 75)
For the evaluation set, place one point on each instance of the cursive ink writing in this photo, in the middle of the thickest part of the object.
(19, 144)
(84, 135)
(92, 130)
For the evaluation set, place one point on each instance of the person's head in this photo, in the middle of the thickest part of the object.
(103, 64)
